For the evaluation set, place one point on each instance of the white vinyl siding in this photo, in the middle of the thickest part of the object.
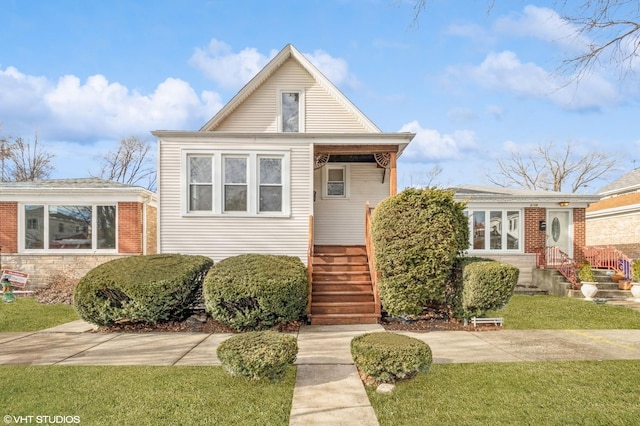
(322, 112)
(220, 236)
(341, 221)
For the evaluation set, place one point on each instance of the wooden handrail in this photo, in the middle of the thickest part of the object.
(310, 251)
(371, 257)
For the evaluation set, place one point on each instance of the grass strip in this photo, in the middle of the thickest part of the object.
(564, 313)
(145, 395)
(549, 393)
(25, 314)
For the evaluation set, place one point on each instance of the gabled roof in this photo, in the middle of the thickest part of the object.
(629, 182)
(287, 52)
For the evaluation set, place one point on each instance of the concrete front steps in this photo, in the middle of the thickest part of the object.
(341, 289)
(607, 289)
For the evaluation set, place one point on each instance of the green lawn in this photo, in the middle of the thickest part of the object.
(549, 393)
(25, 314)
(563, 313)
(145, 395)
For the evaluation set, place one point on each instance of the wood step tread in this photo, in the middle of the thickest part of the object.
(341, 303)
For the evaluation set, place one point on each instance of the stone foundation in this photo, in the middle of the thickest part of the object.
(41, 267)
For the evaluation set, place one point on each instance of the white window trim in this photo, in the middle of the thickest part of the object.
(252, 182)
(325, 178)
(94, 234)
(301, 106)
(505, 227)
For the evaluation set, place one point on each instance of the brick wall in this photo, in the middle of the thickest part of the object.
(130, 228)
(533, 237)
(152, 229)
(579, 234)
(9, 227)
(613, 230)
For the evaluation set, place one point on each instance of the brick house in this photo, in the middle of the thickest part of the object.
(70, 226)
(615, 219)
(512, 225)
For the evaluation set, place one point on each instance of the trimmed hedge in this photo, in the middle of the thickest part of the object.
(417, 235)
(258, 354)
(256, 292)
(386, 357)
(487, 286)
(144, 289)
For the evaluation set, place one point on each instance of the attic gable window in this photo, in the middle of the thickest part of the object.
(291, 111)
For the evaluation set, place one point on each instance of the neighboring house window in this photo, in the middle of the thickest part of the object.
(234, 183)
(335, 181)
(59, 227)
(200, 183)
(495, 229)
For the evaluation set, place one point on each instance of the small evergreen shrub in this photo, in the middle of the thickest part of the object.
(387, 357)
(586, 274)
(256, 292)
(455, 284)
(635, 271)
(143, 289)
(487, 286)
(417, 236)
(258, 354)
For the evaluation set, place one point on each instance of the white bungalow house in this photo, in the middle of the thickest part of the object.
(286, 167)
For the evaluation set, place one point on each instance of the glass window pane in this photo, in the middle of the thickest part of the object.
(291, 112)
(70, 227)
(235, 170)
(336, 175)
(235, 198)
(478, 230)
(106, 227)
(335, 188)
(496, 230)
(200, 197)
(200, 169)
(270, 171)
(513, 236)
(270, 198)
(34, 227)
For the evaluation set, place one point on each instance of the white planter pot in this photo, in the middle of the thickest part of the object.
(588, 290)
(635, 291)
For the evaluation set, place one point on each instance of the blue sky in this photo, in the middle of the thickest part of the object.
(474, 81)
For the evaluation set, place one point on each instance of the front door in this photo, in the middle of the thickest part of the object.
(559, 232)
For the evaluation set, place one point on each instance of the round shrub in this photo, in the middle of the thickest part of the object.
(417, 235)
(487, 286)
(144, 289)
(387, 357)
(258, 354)
(256, 292)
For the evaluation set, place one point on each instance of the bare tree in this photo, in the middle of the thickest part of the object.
(129, 163)
(611, 26)
(550, 168)
(425, 178)
(27, 162)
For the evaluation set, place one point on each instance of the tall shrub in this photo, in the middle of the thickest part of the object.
(418, 234)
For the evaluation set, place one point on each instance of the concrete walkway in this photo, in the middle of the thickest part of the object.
(328, 389)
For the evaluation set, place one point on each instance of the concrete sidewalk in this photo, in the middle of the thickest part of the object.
(328, 389)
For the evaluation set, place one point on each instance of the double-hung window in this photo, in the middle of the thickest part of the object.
(335, 181)
(231, 183)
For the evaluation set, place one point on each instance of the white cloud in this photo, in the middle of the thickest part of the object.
(232, 70)
(504, 71)
(431, 145)
(83, 111)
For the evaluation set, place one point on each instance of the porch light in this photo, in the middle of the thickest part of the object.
(563, 203)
